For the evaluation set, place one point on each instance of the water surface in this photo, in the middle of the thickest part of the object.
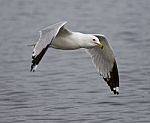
(66, 87)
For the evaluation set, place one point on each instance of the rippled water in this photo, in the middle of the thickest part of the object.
(66, 87)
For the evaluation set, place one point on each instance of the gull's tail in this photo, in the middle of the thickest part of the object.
(31, 45)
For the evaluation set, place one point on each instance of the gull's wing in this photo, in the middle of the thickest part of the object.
(106, 64)
(46, 37)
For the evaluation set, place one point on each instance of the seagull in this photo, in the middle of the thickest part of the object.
(59, 37)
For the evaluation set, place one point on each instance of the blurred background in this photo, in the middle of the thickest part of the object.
(66, 87)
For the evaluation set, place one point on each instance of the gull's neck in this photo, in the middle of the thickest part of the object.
(81, 39)
(74, 40)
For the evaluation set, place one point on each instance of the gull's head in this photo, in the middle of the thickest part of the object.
(93, 41)
(87, 40)
(97, 42)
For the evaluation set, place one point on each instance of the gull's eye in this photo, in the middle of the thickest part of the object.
(94, 39)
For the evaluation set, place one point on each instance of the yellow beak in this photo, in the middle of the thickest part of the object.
(100, 45)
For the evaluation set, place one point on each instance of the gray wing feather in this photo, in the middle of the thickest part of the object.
(46, 37)
(105, 63)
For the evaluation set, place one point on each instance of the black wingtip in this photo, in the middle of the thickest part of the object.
(37, 59)
(117, 93)
(116, 90)
(33, 67)
(113, 81)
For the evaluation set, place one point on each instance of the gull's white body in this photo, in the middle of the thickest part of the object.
(72, 41)
(58, 37)
(68, 42)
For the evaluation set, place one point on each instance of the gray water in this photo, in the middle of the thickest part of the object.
(66, 87)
